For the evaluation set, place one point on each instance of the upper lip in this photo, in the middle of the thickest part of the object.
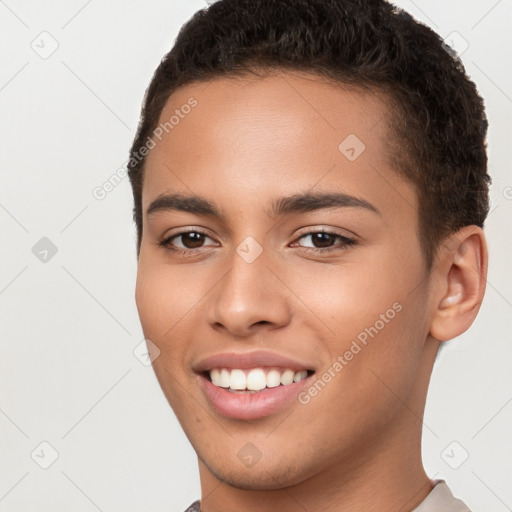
(244, 360)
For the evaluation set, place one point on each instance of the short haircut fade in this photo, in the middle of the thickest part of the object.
(439, 122)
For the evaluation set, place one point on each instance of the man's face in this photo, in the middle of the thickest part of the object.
(353, 314)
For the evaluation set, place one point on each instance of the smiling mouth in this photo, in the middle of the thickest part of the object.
(254, 380)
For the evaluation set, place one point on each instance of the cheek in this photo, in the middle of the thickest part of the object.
(170, 301)
(159, 311)
(148, 297)
(163, 315)
(367, 382)
(375, 325)
(164, 295)
(347, 298)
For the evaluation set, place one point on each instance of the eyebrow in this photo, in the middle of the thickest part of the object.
(297, 203)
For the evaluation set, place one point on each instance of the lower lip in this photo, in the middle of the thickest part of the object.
(251, 406)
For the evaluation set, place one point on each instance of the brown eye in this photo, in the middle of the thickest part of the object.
(186, 240)
(192, 239)
(324, 241)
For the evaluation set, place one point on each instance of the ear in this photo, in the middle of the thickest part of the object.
(461, 268)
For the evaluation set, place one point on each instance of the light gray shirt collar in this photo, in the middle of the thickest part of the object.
(441, 499)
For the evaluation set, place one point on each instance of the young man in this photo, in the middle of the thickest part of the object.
(310, 189)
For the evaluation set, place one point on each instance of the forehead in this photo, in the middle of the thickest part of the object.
(284, 132)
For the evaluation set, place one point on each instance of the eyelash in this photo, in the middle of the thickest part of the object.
(166, 243)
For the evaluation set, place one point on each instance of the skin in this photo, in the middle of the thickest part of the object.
(356, 445)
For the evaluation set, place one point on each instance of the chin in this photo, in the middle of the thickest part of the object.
(261, 477)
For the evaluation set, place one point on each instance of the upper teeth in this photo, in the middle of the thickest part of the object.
(254, 379)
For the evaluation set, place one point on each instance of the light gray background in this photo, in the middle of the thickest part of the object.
(69, 325)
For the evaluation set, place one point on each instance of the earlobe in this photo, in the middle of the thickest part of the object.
(462, 273)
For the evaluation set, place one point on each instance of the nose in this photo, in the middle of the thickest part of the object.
(249, 297)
